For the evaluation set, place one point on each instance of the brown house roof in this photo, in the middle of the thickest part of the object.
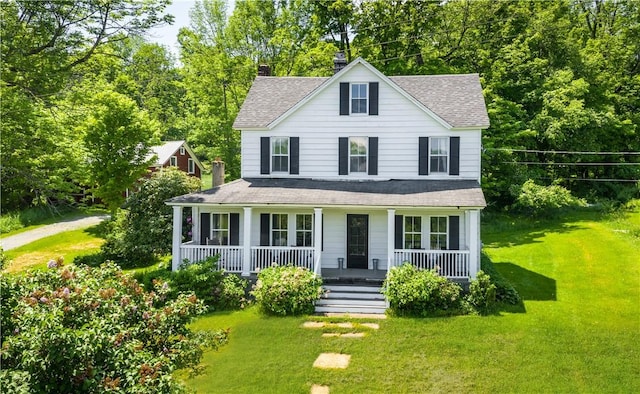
(296, 191)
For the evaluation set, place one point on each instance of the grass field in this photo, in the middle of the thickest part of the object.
(68, 244)
(577, 329)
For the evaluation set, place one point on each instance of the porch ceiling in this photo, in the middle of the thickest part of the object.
(297, 191)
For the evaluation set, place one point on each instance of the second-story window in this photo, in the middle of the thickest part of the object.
(358, 154)
(359, 98)
(280, 154)
(439, 155)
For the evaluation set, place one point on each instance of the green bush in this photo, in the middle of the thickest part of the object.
(218, 291)
(287, 290)
(538, 200)
(482, 293)
(81, 329)
(4, 259)
(505, 292)
(90, 260)
(414, 292)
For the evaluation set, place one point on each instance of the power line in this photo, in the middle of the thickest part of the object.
(569, 164)
(561, 151)
(591, 180)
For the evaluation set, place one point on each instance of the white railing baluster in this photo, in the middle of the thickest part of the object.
(449, 263)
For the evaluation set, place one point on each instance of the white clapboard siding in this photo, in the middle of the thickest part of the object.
(398, 126)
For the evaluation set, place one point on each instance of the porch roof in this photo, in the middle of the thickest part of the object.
(299, 191)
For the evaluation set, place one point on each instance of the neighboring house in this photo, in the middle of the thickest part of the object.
(349, 176)
(176, 154)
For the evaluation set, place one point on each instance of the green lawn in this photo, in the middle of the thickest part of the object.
(577, 330)
(68, 244)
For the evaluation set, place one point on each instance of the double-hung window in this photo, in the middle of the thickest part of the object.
(280, 154)
(359, 98)
(173, 161)
(191, 169)
(439, 155)
(219, 229)
(438, 233)
(358, 154)
(413, 232)
(279, 229)
(304, 230)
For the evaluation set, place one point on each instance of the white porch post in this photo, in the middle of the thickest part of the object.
(317, 240)
(246, 243)
(177, 237)
(391, 244)
(195, 225)
(474, 243)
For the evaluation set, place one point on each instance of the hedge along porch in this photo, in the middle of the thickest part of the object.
(333, 239)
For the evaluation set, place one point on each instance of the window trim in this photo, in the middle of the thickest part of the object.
(445, 233)
(304, 231)
(447, 155)
(173, 161)
(359, 155)
(273, 155)
(213, 230)
(191, 166)
(365, 98)
(273, 230)
(405, 232)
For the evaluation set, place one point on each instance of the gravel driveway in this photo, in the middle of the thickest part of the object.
(26, 237)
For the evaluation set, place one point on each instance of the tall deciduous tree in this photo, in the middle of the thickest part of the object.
(117, 138)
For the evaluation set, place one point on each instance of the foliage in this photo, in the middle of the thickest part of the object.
(77, 329)
(414, 292)
(143, 229)
(505, 292)
(482, 293)
(4, 259)
(218, 291)
(536, 199)
(287, 290)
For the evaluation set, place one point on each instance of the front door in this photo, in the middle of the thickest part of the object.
(357, 241)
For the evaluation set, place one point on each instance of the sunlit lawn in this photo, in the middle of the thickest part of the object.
(577, 331)
(68, 245)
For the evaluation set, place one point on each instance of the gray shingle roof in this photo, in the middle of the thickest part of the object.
(457, 98)
(392, 193)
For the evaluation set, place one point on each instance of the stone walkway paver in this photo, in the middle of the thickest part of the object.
(318, 389)
(332, 361)
(345, 335)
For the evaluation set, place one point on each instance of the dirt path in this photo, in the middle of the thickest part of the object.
(18, 240)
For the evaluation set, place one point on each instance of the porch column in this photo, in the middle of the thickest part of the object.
(317, 240)
(391, 239)
(177, 237)
(246, 243)
(195, 225)
(474, 243)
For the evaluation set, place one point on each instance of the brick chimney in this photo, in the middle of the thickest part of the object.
(264, 70)
(339, 62)
(218, 172)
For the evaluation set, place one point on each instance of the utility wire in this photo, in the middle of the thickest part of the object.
(561, 151)
(569, 164)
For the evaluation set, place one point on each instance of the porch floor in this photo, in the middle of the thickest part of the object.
(351, 275)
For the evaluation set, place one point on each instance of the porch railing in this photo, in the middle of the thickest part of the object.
(264, 256)
(230, 256)
(449, 263)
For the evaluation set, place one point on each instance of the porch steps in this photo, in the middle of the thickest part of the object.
(349, 298)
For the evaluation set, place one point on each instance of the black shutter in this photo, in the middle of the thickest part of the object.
(454, 156)
(265, 155)
(373, 155)
(234, 229)
(373, 98)
(454, 232)
(398, 232)
(264, 229)
(343, 156)
(344, 98)
(205, 227)
(423, 156)
(294, 155)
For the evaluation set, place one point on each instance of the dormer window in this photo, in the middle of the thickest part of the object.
(359, 98)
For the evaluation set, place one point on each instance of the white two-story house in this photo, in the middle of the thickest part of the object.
(348, 175)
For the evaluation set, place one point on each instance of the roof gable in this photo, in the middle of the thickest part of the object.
(169, 148)
(456, 101)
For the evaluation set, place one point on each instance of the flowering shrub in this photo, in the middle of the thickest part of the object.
(287, 290)
(82, 329)
(482, 293)
(416, 292)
